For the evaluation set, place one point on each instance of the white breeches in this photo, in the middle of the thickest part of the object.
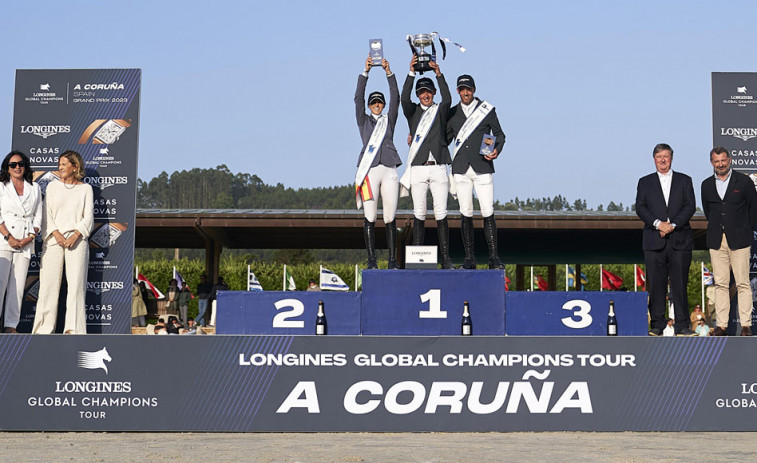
(385, 183)
(51, 270)
(434, 178)
(13, 269)
(484, 186)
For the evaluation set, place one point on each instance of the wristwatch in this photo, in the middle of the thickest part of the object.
(7, 237)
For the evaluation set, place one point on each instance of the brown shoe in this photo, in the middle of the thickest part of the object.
(11, 330)
(746, 331)
(719, 332)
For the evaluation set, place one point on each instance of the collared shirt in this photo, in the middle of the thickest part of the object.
(665, 181)
(468, 109)
(722, 185)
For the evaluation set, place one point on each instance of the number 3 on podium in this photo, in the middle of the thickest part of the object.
(580, 309)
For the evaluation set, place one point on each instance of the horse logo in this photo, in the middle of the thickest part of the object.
(94, 360)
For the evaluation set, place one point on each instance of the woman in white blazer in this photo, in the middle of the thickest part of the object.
(69, 220)
(20, 220)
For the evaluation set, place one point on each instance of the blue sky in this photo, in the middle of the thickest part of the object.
(583, 89)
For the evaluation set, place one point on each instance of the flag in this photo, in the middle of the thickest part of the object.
(155, 291)
(610, 280)
(641, 279)
(541, 283)
(507, 283)
(363, 191)
(179, 279)
(571, 277)
(181, 283)
(289, 281)
(252, 281)
(331, 281)
(707, 278)
(584, 280)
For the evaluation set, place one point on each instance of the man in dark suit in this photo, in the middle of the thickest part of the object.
(665, 202)
(426, 168)
(729, 201)
(469, 122)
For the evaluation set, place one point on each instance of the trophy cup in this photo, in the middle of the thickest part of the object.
(418, 44)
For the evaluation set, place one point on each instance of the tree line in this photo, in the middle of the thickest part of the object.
(220, 188)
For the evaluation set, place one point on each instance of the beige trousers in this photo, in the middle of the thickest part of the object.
(51, 270)
(724, 261)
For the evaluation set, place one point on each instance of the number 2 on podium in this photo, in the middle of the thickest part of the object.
(434, 298)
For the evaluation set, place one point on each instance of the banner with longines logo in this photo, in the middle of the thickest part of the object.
(96, 113)
(734, 126)
(376, 383)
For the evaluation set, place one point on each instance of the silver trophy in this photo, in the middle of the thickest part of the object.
(418, 44)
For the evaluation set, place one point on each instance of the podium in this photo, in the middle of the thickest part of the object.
(430, 303)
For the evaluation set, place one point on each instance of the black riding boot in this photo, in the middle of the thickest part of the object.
(442, 230)
(391, 244)
(419, 231)
(490, 233)
(466, 227)
(369, 232)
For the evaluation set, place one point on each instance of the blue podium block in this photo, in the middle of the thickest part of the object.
(286, 312)
(574, 313)
(430, 302)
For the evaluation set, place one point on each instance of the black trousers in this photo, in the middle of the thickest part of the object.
(672, 264)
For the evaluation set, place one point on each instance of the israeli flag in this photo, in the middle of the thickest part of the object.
(252, 281)
(331, 281)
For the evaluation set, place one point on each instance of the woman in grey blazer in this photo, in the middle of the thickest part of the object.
(378, 161)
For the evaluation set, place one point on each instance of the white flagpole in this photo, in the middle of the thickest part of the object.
(701, 280)
(532, 278)
(136, 272)
(248, 278)
(355, 277)
(600, 278)
(566, 277)
(284, 285)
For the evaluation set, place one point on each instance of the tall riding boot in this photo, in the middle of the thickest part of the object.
(419, 231)
(391, 244)
(369, 232)
(490, 233)
(466, 227)
(442, 230)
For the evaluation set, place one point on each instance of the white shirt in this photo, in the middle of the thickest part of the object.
(665, 181)
(468, 109)
(722, 185)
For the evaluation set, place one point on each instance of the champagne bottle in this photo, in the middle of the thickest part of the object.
(467, 326)
(320, 320)
(612, 322)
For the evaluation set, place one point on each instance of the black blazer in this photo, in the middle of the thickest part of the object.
(468, 154)
(650, 206)
(436, 140)
(735, 214)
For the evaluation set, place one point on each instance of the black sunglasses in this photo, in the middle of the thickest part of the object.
(13, 165)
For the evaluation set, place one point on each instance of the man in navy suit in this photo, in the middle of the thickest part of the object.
(665, 202)
(729, 201)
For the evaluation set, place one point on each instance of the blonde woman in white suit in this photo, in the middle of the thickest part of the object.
(68, 222)
(20, 221)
